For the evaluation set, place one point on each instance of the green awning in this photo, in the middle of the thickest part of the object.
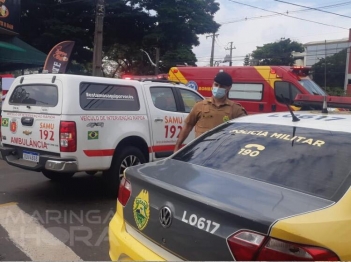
(11, 46)
(15, 54)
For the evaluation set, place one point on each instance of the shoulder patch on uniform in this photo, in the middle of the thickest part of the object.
(207, 100)
(241, 107)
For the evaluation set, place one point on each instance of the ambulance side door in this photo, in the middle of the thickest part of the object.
(169, 106)
(166, 120)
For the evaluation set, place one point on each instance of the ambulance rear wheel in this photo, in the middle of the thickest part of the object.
(91, 173)
(55, 176)
(127, 157)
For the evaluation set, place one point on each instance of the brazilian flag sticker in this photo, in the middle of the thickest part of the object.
(93, 135)
(5, 122)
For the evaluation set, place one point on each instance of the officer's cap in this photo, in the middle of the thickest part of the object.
(224, 79)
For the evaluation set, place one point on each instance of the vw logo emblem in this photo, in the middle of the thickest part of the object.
(165, 217)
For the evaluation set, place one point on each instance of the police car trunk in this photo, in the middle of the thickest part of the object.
(226, 195)
(32, 134)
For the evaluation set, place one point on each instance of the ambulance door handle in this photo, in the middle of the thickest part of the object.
(158, 120)
(27, 121)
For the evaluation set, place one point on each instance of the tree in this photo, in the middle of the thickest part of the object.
(177, 24)
(44, 23)
(171, 25)
(247, 60)
(277, 53)
(335, 68)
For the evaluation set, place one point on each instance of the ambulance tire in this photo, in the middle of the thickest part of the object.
(112, 176)
(91, 173)
(56, 176)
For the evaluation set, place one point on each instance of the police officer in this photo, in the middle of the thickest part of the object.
(213, 111)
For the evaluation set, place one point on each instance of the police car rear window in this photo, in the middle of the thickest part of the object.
(39, 95)
(316, 162)
(94, 96)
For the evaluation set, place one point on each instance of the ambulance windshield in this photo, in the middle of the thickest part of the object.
(311, 86)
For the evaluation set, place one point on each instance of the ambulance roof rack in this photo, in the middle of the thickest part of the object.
(317, 101)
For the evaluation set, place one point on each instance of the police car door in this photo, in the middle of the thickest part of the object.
(166, 118)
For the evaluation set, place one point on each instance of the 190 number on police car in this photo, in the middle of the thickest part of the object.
(201, 223)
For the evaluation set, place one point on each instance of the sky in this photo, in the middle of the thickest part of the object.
(248, 27)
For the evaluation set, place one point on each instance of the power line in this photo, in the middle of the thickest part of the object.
(329, 6)
(217, 42)
(296, 11)
(316, 53)
(247, 18)
(311, 53)
(312, 8)
(286, 15)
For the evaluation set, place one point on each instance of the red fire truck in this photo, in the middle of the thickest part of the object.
(260, 89)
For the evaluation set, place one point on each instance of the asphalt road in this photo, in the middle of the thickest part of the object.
(44, 220)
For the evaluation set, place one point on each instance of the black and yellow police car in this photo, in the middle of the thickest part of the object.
(262, 187)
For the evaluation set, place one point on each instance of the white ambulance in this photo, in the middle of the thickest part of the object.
(62, 124)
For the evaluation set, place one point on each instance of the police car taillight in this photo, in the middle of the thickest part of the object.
(68, 136)
(124, 192)
(286, 251)
(245, 245)
(249, 246)
(317, 100)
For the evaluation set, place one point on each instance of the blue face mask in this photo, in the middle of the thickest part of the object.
(218, 92)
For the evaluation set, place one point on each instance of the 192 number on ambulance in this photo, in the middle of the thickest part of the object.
(172, 130)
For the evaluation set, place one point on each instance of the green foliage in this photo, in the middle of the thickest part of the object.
(45, 23)
(335, 91)
(178, 56)
(171, 25)
(178, 22)
(277, 53)
(335, 68)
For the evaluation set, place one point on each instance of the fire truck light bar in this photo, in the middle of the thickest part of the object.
(332, 101)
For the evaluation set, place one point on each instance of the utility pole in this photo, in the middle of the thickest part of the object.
(231, 54)
(157, 60)
(348, 66)
(325, 66)
(99, 24)
(212, 49)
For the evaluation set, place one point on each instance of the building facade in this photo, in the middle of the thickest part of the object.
(314, 51)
